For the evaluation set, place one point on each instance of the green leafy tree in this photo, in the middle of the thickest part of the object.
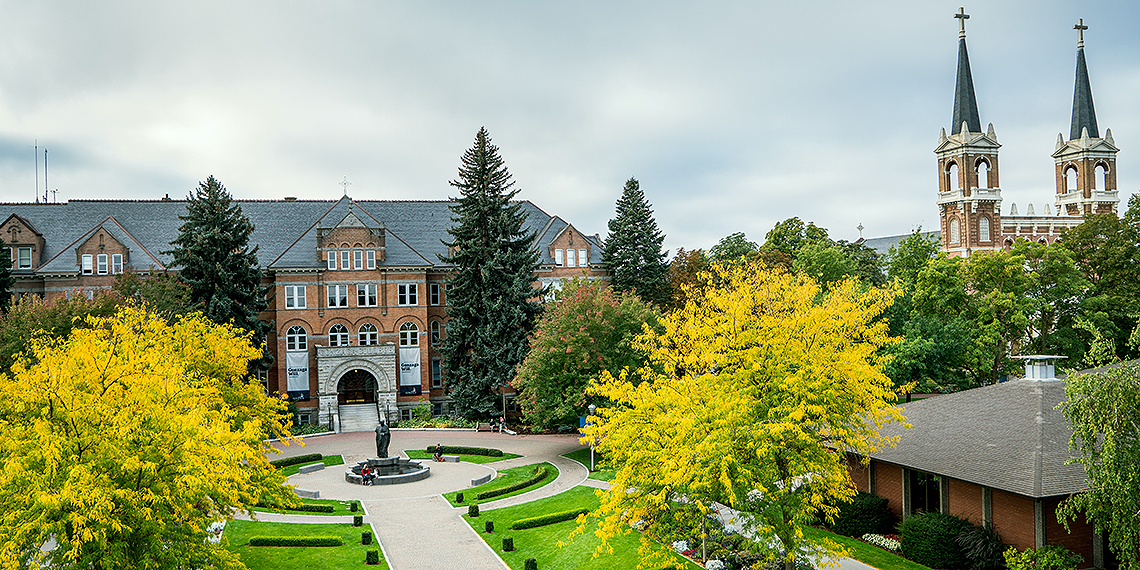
(6, 277)
(632, 252)
(590, 328)
(732, 249)
(162, 292)
(906, 259)
(215, 260)
(828, 264)
(32, 317)
(1056, 291)
(1104, 410)
(868, 262)
(490, 310)
(688, 271)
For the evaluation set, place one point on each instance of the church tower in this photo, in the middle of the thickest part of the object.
(1086, 164)
(969, 196)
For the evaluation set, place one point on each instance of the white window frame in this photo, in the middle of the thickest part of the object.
(86, 261)
(409, 334)
(369, 336)
(407, 295)
(433, 294)
(583, 259)
(332, 260)
(295, 297)
(101, 264)
(357, 259)
(984, 229)
(370, 257)
(337, 295)
(20, 260)
(366, 295)
(437, 372)
(570, 258)
(116, 263)
(558, 258)
(296, 339)
(338, 335)
(345, 264)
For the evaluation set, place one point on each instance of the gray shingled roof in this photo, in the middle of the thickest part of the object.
(883, 244)
(1084, 116)
(965, 104)
(140, 258)
(1008, 436)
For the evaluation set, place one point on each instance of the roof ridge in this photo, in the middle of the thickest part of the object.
(134, 239)
(302, 235)
(406, 244)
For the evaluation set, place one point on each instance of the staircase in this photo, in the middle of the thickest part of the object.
(358, 417)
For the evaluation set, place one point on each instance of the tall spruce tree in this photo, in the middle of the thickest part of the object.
(215, 260)
(490, 308)
(632, 252)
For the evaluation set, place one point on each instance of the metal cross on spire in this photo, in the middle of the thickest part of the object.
(345, 183)
(1080, 27)
(962, 17)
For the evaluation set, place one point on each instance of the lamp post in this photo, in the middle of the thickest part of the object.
(592, 409)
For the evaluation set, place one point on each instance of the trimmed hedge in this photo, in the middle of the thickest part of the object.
(530, 564)
(303, 507)
(866, 513)
(357, 520)
(459, 497)
(931, 540)
(512, 488)
(543, 520)
(472, 510)
(295, 541)
(459, 450)
(365, 538)
(489, 527)
(372, 557)
(287, 461)
(508, 544)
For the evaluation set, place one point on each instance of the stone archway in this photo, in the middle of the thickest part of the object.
(356, 386)
(334, 362)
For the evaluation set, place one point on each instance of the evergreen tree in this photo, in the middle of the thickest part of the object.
(215, 260)
(490, 308)
(632, 252)
(6, 277)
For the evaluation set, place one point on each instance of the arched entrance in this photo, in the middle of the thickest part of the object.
(357, 386)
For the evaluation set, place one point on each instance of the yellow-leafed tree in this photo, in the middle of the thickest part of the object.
(756, 390)
(122, 443)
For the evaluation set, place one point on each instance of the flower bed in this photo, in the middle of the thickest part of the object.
(890, 542)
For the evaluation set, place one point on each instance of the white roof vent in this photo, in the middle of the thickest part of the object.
(1040, 367)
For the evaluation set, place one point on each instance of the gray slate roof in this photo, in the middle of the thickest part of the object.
(285, 230)
(1084, 116)
(883, 244)
(965, 104)
(1008, 436)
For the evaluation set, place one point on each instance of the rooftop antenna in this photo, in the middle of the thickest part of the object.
(36, 158)
(53, 198)
(45, 176)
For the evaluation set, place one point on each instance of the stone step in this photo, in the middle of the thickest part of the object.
(358, 417)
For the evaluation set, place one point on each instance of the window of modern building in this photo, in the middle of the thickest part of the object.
(116, 263)
(558, 257)
(436, 373)
(101, 264)
(366, 295)
(583, 260)
(295, 296)
(338, 295)
(338, 336)
(332, 260)
(296, 339)
(87, 261)
(435, 333)
(409, 334)
(407, 294)
(433, 294)
(569, 258)
(25, 258)
(371, 258)
(357, 259)
(368, 335)
(345, 264)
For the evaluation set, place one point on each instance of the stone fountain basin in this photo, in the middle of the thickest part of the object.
(389, 471)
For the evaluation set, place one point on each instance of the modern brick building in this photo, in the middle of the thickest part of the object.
(359, 293)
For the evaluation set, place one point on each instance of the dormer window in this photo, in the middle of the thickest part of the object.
(569, 258)
(101, 267)
(558, 257)
(24, 258)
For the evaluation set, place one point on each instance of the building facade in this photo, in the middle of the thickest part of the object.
(359, 294)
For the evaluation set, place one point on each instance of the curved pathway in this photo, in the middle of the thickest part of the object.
(417, 528)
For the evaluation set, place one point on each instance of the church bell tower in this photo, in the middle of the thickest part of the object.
(969, 195)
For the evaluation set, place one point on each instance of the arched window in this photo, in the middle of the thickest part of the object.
(983, 229)
(952, 181)
(954, 230)
(1101, 178)
(435, 336)
(296, 339)
(983, 175)
(1071, 179)
(368, 335)
(409, 334)
(338, 336)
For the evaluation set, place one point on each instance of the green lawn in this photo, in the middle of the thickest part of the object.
(583, 456)
(295, 557)
(542, 543)
(328, 461)
(421, 454)
(505, 478)
(340, 508)
(865, 553)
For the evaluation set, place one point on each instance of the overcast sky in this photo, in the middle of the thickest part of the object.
(733, 116)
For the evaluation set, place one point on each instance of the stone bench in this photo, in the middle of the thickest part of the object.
(307, 494)
(310, 468)
(484, 426)
(450, 458)
(480, 480)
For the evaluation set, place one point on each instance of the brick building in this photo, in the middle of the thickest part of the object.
(359, 293)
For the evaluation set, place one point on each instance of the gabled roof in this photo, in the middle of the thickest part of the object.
(554, 230)
(26, 223)
(882, 245)
(140, 258)
(1084, 116)
(965, 103)
(1007, 436)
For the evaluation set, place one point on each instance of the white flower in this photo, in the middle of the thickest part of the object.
(714, 565)
(882, 542)
(680, 546)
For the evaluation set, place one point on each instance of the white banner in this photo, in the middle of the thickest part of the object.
(297, 371)
(410, 366)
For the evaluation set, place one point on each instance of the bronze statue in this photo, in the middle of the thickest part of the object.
(383, 436)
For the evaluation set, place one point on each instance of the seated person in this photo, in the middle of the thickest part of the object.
(366, 475)
(438, 453)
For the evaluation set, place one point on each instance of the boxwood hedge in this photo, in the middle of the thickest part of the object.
(866, 513)
(459, 450)
(931, 540)
(512, 488)
(295, 541)
(543, 520)
(287, 461)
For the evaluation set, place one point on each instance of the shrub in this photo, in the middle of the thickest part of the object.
(357, 520)
(982, 547)
(354, 506)
(543, 520)
(365, 538)
(530, 564)
(472, 510)
(489, 527)
(882, 542)
(295, 541)
(865, 514)
(508, 544)
(287, 461)
(372, 556)
(459, 497)
(1051, 557)
(303, 507)
(459, 450)
(929, 539)
(512, 488)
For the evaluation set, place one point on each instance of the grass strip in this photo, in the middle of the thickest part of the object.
(583, 456)
(538, 475)
(865, 553)
(295, 468)
(479, 459)
(504, 478)
(460, 450)
(351, 555)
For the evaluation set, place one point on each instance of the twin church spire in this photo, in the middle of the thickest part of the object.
(965, 103)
